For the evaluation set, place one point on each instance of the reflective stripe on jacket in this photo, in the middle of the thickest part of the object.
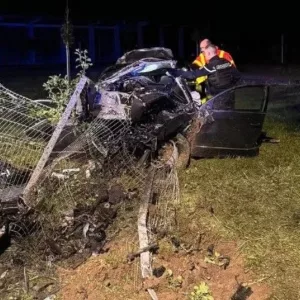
(200, 60)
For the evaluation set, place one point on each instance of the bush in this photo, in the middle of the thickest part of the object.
(59, 89)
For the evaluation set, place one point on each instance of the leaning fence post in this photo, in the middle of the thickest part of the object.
(48, 149)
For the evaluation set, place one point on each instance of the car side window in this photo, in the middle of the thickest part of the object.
(248, 98)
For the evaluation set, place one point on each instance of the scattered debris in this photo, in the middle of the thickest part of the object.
(158, 272)
(175, 242)
(213, 257)
(152, 248)
(242, 293)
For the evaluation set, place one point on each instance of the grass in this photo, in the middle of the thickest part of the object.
(27, 83)
(257, 202)
(19, 153)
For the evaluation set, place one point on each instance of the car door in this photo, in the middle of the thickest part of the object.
(237, 117)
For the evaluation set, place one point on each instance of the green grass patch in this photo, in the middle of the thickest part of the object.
(256, 201)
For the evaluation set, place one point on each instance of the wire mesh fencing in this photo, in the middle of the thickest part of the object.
(23, 137)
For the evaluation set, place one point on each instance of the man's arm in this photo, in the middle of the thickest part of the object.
(192, 75)
(194, 66)
(199, 61)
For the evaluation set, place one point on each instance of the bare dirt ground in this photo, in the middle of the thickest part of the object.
(110, 276)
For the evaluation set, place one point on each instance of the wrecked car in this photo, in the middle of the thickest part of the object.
(161, 106)
(157, 105)
(138, 89)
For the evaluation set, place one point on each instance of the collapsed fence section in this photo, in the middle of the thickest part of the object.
(76, 182)
(23, 136)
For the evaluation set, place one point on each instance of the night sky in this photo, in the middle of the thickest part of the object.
(252, 27)
(242, 16)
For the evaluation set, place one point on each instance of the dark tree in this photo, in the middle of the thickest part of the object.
(68, 38)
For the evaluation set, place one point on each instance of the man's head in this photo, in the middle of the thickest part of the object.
(210, 52)
(204, 44)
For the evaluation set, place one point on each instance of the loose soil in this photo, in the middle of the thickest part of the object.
(110, 276)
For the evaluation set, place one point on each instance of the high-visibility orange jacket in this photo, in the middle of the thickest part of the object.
(201, 61)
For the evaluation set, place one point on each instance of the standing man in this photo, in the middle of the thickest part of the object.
(203, 59)
(221, 74)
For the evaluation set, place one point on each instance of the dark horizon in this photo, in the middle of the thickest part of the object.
(252, 37)
(245, 18)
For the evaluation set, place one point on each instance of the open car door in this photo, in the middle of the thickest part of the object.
(234, 123)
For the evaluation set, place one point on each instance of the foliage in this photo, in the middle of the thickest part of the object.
(83, 60)
(59, 89)
(201, 292)
(174, 282)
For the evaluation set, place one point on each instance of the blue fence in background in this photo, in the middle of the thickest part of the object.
(38, 42)
(24, 44)
(29, 43)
